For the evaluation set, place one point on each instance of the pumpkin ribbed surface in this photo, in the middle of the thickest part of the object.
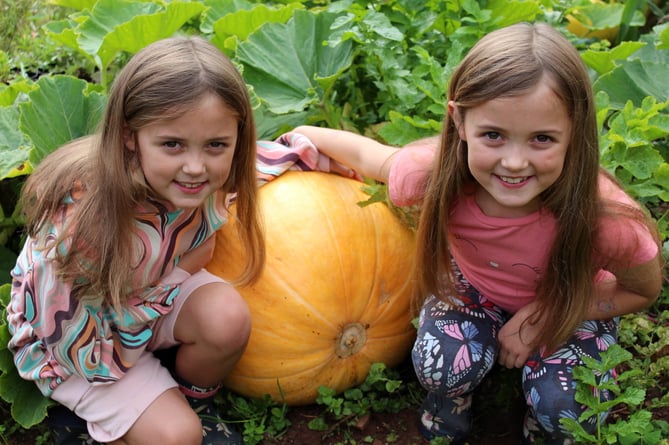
(333, 298)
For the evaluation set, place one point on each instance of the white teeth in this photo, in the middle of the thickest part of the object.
(509, 180)
(189, 186)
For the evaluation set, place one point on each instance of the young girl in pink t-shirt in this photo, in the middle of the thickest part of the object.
(527, 251)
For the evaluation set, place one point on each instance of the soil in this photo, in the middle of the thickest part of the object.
(498, 422)
(498, 412)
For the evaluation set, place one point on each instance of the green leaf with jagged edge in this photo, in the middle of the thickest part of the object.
(61, 109)
(635, 80)
(14, 147)
(506, 12)
(118, 25)
(605, 61)
(604, 15)
(79, 5)
(113, 26)
(9, 93)
(29, 406)
(216, 9)
(289, 65)
(238, 25)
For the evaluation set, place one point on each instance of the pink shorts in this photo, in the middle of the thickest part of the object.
(111, 410)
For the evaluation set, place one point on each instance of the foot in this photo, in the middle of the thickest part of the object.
(534, 435)
(214, 430)
(447, 417)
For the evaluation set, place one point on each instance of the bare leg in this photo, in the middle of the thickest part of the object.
(214, 327)
(169, 420)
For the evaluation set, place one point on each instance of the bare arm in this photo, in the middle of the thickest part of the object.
(632, 290)
(368, 157)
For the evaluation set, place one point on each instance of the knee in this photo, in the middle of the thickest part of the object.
(228, 324)
(449, 367)
(184, 430)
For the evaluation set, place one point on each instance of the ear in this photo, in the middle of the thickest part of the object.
(457, 119)
(128, 138)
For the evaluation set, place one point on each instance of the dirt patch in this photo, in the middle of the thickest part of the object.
(503, 428)
(498, 410)
(498, 413)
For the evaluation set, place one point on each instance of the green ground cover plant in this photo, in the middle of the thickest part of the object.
(375, 67)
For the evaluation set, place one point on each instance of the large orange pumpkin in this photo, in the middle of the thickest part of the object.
(333, 298)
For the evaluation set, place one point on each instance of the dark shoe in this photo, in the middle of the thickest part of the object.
(67, 428)
(447, 417)
(214, 430)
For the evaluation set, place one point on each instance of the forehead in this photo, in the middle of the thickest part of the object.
(538, 106)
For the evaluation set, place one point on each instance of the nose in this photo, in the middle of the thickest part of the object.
(515, 157)
(194, 164)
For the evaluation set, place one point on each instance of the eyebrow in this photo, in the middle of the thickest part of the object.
(498, 129)
(169, 137)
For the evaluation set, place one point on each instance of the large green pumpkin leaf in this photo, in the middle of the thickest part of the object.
(506, 12)
(75, 4)
(289, 64)
(64, 32)
(60, 110)
(29, 406)
(9, 93)
(241, 23)
(634, 80)
(220, 8)
(104, 19)
(14, 148)
(118, 25)
(605, 61)
(6, 358)
(664, 38)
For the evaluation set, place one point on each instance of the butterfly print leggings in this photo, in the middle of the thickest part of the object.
(456, 347)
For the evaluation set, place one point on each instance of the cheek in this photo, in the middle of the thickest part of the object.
(223, 167)
(551, 163)
(479, 159)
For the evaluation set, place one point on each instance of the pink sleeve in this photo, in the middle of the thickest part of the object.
(622, 242)
(408, 174)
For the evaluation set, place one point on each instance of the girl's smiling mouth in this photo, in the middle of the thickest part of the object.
(513, 180)
(190, 187)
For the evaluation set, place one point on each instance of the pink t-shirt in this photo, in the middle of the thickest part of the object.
(504, 258)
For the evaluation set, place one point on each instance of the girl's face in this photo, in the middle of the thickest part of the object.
(516, 149)
(184, 160)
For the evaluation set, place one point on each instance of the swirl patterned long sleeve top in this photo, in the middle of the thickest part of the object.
(57, 333)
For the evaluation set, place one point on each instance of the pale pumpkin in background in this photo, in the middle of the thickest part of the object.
(333, 298)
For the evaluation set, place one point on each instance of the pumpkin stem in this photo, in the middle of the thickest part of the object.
(351, 339)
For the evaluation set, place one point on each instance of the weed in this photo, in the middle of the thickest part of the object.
(261, 418)
(381, 392)
(638, 428)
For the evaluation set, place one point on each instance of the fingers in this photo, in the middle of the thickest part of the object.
(341, 169)
(509, 360)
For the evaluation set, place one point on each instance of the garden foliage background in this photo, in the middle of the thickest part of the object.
(378, 68)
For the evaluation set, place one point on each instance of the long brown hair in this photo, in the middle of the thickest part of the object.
(506, 63)
(161, 82)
